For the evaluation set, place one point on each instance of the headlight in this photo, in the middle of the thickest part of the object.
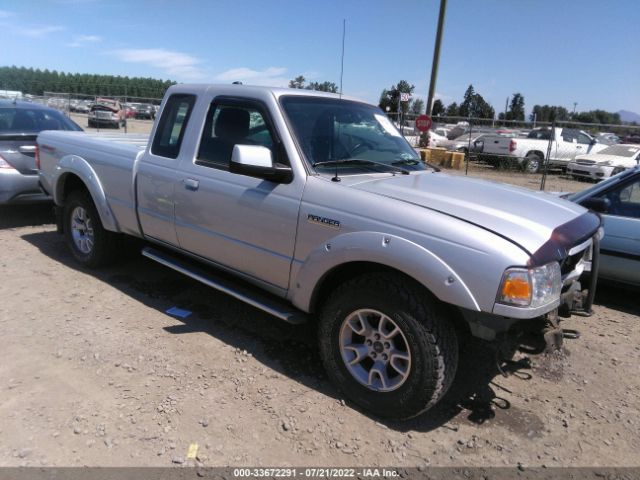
(532, 287)
(605, 163)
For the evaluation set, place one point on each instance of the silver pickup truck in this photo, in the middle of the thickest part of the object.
(315, 209)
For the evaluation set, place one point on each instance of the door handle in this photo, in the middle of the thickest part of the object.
(191, 184)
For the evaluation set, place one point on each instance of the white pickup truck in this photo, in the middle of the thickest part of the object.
(531, 152)
(315, 209)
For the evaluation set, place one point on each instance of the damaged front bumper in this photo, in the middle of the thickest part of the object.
(582, 261)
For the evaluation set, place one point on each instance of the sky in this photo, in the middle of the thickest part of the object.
(552, 52)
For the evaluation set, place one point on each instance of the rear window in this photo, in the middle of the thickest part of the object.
(27, 120)
(172, 125)
(540, 134)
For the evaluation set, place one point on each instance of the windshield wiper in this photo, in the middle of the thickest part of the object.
(360, 161)
(415, 161)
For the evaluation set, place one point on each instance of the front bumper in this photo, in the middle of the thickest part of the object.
(574, 300)
(592, 172)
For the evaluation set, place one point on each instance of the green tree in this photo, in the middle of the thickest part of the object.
(548, 113)
(474, 105)
(438, 108)
(452, 110)
(297, 82)
(322, 87)
(417, 106)
(516, 107)
(598, 116)
(390, 97)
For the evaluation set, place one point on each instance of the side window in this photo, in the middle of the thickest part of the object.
(625, 201)
(172, 126)
(228, 125)
(584, 139)
(569, 135)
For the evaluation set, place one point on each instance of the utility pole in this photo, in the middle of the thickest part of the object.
(575, 104)
(506, 109)
(436, 57)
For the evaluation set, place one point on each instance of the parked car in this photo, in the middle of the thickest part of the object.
(530, 152)
(617, 199)
(442, 131)
(435, 139)
(608, 138)
(316, 208)
(610, 161)
(631, 139)
(20, 122)
(130, 111)
(106, 111)
(462, 143)
(145, 111)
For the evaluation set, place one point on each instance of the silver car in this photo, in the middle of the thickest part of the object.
(20, 123)
(618, 200)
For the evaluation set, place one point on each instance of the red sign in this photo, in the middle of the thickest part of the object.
(423, 123)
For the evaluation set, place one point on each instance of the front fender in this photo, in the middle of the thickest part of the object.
(78, 166)
(384, 249)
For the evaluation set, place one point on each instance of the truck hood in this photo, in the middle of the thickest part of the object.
(522, 216)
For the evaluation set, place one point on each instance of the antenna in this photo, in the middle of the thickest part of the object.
(344, 30)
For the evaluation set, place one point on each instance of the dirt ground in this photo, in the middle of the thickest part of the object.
(94, 372)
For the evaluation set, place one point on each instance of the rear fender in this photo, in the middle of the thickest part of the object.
(387, 250)
(75, 165)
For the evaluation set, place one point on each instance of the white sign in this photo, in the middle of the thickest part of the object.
(405, 97)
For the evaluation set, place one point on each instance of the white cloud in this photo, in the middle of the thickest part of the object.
(82, 40)
(36, 31)
(178, 65)
(270, 77)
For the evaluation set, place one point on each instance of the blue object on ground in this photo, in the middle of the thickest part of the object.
(178, 312)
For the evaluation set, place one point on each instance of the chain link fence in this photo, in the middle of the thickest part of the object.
(128, 114)
(558, 156)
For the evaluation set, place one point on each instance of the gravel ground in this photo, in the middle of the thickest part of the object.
(94, 372)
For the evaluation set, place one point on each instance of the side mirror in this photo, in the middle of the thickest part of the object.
(597, 204)
(594, 141)
(257, 161)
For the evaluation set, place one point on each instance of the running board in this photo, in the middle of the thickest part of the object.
(273, 306)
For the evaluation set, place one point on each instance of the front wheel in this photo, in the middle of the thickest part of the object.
(89, 242)
(387, 345)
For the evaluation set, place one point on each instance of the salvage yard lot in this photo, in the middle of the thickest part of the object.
(94, 372)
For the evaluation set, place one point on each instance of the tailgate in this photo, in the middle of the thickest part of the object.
(495, 144)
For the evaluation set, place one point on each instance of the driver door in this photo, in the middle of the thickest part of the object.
(243, 223)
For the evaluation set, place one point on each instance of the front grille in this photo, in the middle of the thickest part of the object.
(586, 162)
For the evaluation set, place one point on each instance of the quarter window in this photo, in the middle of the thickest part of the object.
(172, 126)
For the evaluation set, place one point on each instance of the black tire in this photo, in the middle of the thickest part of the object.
(533, 163)
(105, 243)
(431, 339)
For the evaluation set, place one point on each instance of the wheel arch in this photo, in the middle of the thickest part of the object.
(347, 271)
(75, 174)
(356, 253)
(538, 153)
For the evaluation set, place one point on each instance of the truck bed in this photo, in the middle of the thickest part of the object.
(110, 155)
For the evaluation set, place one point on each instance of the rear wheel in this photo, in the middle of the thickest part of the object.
(533, 163)
(89, 242)
(387, 345)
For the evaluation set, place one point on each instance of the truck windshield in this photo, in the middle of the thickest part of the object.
(349, 136)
